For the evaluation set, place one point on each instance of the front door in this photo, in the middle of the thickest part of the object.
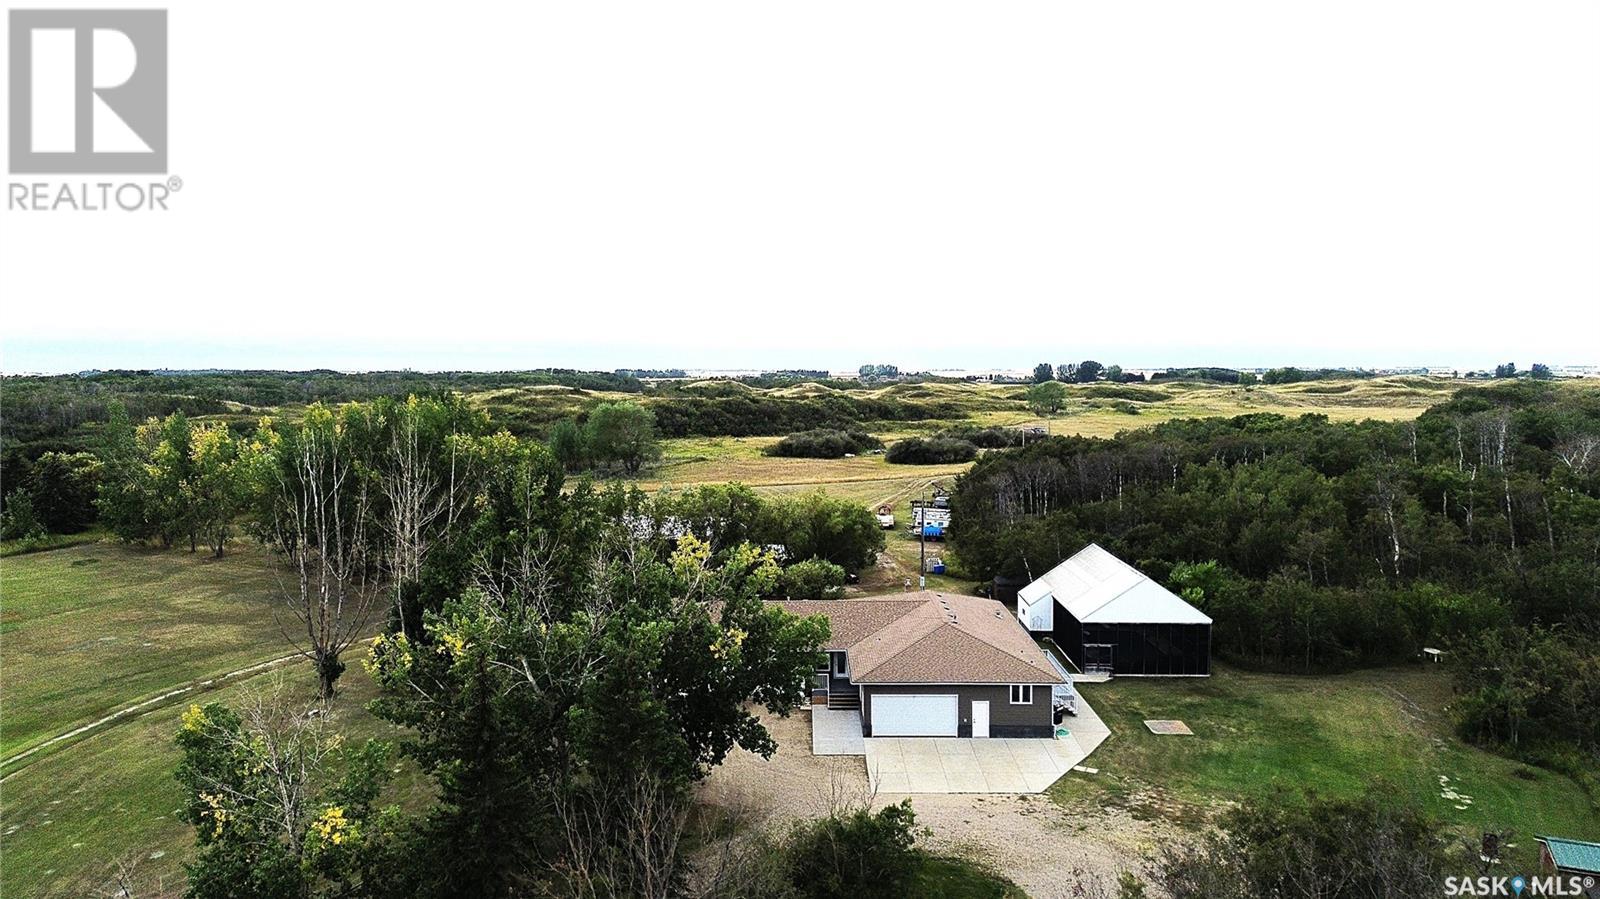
(1097, 658)
(980, 718)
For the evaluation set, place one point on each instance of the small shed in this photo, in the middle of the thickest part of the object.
(1110, 618)
(1571, 858)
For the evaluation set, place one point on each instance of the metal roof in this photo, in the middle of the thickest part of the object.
(1099, 588)
(1573, 855)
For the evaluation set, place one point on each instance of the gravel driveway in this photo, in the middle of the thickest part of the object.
(1029, 838)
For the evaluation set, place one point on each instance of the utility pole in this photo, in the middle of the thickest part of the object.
(922, 549)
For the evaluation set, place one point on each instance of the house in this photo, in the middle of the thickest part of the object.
(1571, 858)
(1109, 618)
(932, 664)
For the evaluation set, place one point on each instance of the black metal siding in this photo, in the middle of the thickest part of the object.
(1143, 649)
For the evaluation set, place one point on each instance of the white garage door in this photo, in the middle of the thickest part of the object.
(914, 716)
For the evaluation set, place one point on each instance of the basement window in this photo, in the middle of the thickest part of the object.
(1022, 694)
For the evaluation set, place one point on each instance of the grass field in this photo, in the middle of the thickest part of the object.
(90, 629)
(1254, 733)
(70, 817)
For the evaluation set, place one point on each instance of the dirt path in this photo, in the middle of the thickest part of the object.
(1046, 849)
(139, 708)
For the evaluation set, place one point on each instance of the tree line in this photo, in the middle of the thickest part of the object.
(1319, 545)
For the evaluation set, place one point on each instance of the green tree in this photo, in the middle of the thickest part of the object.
(1114, 374)
(281, 806)
(1541, 372)
(1089, 371)
(169, 472)
(1043, 372)
(1047, 398)
(815, 525)
(624, 433)
(219, 487)
(569, 446)
(64, 486)
(19, 521)
(535, 708)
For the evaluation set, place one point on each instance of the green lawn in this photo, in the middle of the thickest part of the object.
(955, 878)
(1335, 734)
(68, 818)
(90, 629)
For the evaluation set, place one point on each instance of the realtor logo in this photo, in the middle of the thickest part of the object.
(88, 91)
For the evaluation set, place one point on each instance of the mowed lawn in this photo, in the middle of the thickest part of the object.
(70, 817)
(1254, 733)
(90, 629)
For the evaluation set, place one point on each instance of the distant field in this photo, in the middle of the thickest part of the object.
(1335, 734)
(1091, 410)
(90, 629)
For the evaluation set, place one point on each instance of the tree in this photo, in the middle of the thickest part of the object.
(64, 486)
(1088, 371)
(624, 433)
(426, 468)
(568, 445)
(19, 521)
(1065, 372)
(1114, 374)
(219, 483)
(1541, 372)
(281, 806)
(1047, 398)
(1043, 372)
(169, 475)
(314, 503)
(1506, 370)
(816, 525)
(584, 701)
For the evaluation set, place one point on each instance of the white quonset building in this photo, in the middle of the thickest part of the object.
(1107, 616)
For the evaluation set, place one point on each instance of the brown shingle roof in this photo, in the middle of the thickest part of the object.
(931, 638)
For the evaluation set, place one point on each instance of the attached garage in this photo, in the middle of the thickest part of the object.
(916, 715)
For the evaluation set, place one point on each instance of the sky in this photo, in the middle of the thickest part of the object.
(932, 184)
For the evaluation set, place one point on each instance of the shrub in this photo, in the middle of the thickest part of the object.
(931, 451)
(824, 443)
(986, 438)
(861, 854)
(812, 579)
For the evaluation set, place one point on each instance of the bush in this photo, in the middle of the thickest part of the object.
(819, 526)
(986, 438)
(20, 521)
(931, 451)
(824, 443)
(812, 579)
(1334, 848)
(860, 854)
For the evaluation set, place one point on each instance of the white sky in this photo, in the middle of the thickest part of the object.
(822, 184)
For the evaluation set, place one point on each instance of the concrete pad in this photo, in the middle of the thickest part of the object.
(836, 732)
(963, 765)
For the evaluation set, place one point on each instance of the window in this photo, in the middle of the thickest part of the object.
(1022, 694)
(839, 664)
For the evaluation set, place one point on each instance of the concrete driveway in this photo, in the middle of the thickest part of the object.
(961, 765)
(836, 732)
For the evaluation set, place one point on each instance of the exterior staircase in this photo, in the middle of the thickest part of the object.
(848, 702)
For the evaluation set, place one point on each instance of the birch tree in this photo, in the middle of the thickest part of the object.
(316, 500)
